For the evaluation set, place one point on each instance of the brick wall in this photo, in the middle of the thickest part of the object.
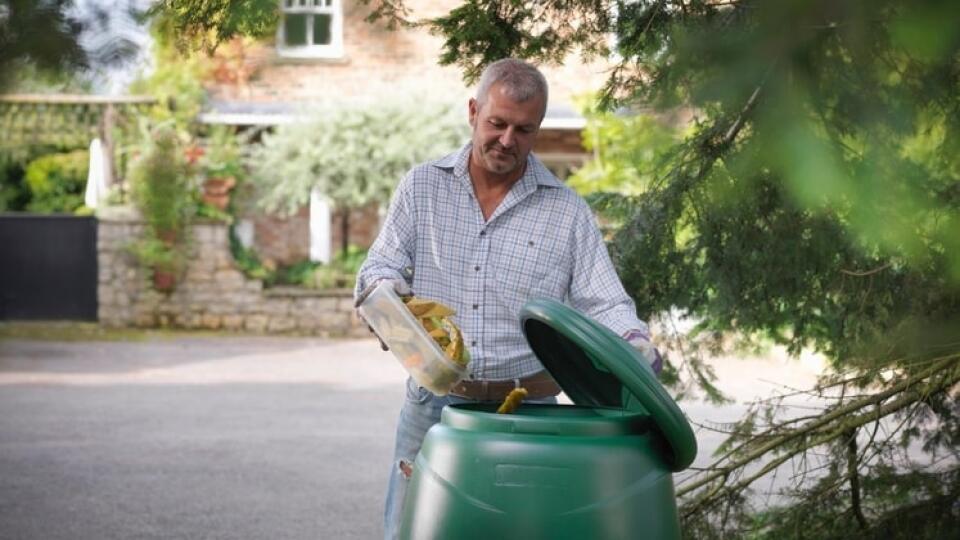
(283, 240)
(375, 60)
(364, 226)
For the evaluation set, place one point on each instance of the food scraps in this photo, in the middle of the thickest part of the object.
(436, 320)
(512, 402)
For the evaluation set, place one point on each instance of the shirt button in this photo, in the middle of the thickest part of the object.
(483, 233)
(473, 343)
(477, 268)
(476, 306)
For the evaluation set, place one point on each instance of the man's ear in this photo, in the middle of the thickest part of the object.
(472, 110)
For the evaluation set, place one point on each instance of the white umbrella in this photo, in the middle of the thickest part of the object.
(97, 177)
(319, 228)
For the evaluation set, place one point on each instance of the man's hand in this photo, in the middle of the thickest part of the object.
(641, 342)
(399, 286)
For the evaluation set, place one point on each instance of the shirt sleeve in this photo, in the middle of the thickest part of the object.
(391, 255)
(595, 288)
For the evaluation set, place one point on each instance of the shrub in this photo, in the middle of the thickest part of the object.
(161, 189)
(159, 183)
(57, 181)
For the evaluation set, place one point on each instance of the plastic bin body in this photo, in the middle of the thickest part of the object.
(598, 470)
(544, 472)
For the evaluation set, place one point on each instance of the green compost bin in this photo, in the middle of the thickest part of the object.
(599, 469)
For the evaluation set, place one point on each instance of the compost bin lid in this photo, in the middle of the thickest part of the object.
(596, 367)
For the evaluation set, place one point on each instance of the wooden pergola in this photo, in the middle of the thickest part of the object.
(67, 120)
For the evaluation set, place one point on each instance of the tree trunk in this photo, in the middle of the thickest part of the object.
(854, 477)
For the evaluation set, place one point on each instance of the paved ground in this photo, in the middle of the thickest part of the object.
(195, 438)
(226, 437)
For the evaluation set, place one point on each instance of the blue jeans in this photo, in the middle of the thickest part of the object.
(421, 410)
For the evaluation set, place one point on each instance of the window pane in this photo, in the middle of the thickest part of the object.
(328, 3)
(321, 29)
(288, 3)
(295, 29)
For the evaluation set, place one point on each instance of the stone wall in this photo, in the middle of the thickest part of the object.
(211, 293)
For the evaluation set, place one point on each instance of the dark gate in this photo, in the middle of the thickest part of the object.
(48, 267)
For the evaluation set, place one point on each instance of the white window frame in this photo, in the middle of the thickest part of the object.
(334, 49)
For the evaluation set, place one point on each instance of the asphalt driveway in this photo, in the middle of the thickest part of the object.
(198, 437)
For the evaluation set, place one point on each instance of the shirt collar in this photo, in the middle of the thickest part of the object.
(536, 171)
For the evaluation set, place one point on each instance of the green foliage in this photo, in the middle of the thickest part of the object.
(819, 212)
(159, 182)
(351, 260)
(921, 505)
(56, 182)
(194, 24)
(247, 259)
(208, 211)
(299, 273)
(479, 32)
(628, 150)
(354, 153)
(222, 154)
(160, 187)
(13, 194)
(176, 81)
(29, 79)
(342, 270)
(38, 36)
(157, 254)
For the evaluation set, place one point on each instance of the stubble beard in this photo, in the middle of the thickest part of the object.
(503, 163)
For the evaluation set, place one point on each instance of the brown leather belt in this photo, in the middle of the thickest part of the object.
(540, 385)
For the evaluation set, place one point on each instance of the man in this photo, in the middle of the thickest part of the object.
(483, 231)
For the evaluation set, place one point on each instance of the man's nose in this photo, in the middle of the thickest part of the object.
(508, 138)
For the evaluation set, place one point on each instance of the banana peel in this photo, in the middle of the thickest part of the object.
(435, 319)
(512, 402)
(421, 308)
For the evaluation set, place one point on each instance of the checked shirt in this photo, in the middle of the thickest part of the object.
(541, 241)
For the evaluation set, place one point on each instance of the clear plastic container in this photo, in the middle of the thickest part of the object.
(417, 352)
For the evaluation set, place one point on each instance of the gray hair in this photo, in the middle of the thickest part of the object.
(521, 81)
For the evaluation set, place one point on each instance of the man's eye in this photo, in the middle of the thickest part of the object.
(496, 124)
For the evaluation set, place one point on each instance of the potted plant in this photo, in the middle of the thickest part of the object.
(164, 259)
(161, 190)
(222, 167)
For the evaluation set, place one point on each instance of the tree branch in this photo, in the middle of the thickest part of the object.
(826, 432)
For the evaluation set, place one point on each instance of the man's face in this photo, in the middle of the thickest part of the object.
(504, 131)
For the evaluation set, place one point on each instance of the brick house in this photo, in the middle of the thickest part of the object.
(324, 49)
